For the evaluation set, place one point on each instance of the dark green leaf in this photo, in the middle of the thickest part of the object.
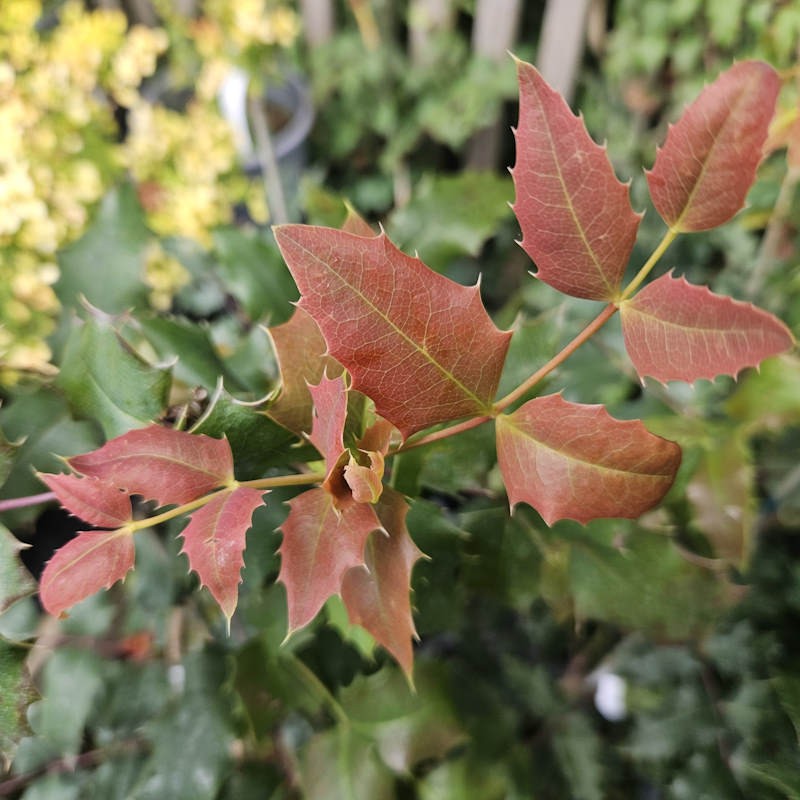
(42, 423)
(15, 580)
(106, 264)
(253, 271)
(16, 693)
(449, 216)
(257, 441)
(191, 742)
(106, 381)
(197, 362)
(71, 685)
(578, 750)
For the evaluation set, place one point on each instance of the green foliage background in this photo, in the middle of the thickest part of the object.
(141, 693)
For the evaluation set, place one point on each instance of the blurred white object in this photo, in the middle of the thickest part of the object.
(609, 695)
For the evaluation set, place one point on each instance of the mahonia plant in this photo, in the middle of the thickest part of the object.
(375, 323)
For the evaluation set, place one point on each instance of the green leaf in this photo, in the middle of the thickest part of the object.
(621, 573)
(197, 362)
(106, 264)
(342, 765)
(768, 398)
(106, 381)
(191, 741)
(462, 779)
(71, 685)
(16, 693)
(253, 271)
(7, 453)
(256, 440)
(15, 580)
(42, 423)
(577, 748)
(408, 728)
(450, 216)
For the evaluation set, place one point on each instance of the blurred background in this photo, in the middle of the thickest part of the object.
(146, 146)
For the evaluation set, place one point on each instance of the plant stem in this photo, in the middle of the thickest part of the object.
(24, 502)
(270, 173)
(655, 256)
(259, 483)
(444, 433)
(558, 359)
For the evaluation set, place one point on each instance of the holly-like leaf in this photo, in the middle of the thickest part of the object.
(355, 223)
(92, 561)
(576, 217)
(573, 461)
(366, 480)
(15, 580)
(703, 172)
(160, 464)
(674, 330)
(330, 413)
(320, 543)
(301, 352)
(214, 541)
(376, 594)
(419, 345)
(91, 499)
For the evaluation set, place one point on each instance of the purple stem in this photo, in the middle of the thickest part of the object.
(23, 502)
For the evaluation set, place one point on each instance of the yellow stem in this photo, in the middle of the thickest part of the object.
(559, 358)
(669, 238)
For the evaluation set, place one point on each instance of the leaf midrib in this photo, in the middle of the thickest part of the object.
(482, 405)
(601, 467)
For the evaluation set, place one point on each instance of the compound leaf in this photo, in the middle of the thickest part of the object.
(421, 346)
(573, 461)
(320, 543)
(703, 172)
(301, 352)
(91, 499)
(376, 594)
(214, 541)
(575, 215)
(674, 330)
(160, 464)
(92, 561)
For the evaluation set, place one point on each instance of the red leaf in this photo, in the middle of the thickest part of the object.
(330, 414)
(702, 174)
(572, 461)
(84, 565)
(377, 594)
(320, 543)
(366, 483)
(214, 541)
(355, 223)
(301, 352)
(676, 331)
(576, 217)
(160, 464)
(91, 499)
(421, 346)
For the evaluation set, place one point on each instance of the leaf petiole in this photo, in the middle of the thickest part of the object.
(259, 483)
(655, 256)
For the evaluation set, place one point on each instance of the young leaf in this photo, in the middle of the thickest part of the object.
(214, 541)
(356, 224)
(92, 500)
(330, 413)
(676, 331)
(377, 594)
(704, 170)
(160, 464)
(320, 543)
(421, 346)
(576, 217)
(572, 461)
(90, 562)
(301, 352)
(366, 483)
